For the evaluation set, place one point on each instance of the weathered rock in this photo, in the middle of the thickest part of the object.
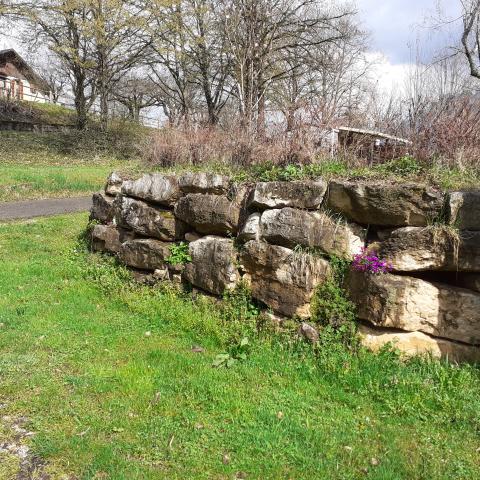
(385, 204)
(464, 210)
(144, 254)
(103, 209)
(282, 279)
(149, 278)
(469, 280)
(192, 236)
(418, 343)
(308, 332)
(114, 184)
(155, 188)
(411, 249)
(148, 220)
(299, 194)
(412, 304)
(105, 238)
(251, 228)
(204, 183)
(209, 214)
(214, 265)
(290, 227)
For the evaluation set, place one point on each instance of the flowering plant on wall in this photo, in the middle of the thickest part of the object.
(368, 261)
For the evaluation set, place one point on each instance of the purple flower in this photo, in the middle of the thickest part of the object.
(369, 262)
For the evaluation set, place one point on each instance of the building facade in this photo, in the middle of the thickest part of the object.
(18, 81)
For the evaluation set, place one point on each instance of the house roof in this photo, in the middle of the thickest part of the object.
(30, 74)
(375, 134)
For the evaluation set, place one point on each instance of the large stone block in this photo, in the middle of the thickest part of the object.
(300, 194)
(209, 214)
(149, 220)
(103, 209)
(108, 238)
(432, 248)
(214, 265)
(385, 204)
(290, 227)
(204, 183)
(464, 210)
(418, 343)
(145, 254)
(412, 304)
(282, 279)
(114, 184)
(155, 188)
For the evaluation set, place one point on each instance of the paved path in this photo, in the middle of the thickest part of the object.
(43, 208)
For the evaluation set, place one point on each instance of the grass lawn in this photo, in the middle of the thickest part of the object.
(39, 166)
(108, 401)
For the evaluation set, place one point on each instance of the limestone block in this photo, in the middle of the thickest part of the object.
(204, 183)
(149, 220)
(300, 194)
(385, 204)
(464, 210)
(432, 248)
(154, 188)
(144, 254)
(103, 209)
(209, 214)
(282, 279)
(214, 265)
(412, 304)
(290, 227)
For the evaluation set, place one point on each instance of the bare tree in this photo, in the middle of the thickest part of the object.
(117, 31)
(135, 93)
(268, 39)
(471, 34)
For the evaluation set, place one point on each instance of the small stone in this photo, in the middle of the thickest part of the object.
(197, 349)
(226, 459)
(148, 334)
(308, 332)
(240, 475)
(347, 448)
(280, 415)
(374, 462)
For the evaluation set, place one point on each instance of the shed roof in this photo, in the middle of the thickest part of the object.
(375, 134)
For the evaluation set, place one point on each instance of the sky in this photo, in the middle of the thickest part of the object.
(401, 28)
(394, 26)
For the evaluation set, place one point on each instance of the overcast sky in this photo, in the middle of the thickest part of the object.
(395, 25)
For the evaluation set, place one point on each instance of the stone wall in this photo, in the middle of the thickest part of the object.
(270, 235)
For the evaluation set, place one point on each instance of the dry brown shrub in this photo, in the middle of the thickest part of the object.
(199, 146)
(448, 134)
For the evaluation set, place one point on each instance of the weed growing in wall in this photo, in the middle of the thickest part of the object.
(331, 307)
(179, 254)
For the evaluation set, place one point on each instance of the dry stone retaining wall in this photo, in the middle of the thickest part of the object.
(279, 236)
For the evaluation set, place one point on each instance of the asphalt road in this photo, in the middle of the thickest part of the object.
(43, 208)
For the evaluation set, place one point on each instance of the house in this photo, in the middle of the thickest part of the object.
(19, 81)
(375, 147)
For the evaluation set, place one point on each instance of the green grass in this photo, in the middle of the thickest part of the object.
(51, 165)
(107, 401)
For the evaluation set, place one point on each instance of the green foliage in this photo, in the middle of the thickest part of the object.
(331, 306)
(238, 352)
(179, 254)
(404, 167)
(105, 400)
(239, 313)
